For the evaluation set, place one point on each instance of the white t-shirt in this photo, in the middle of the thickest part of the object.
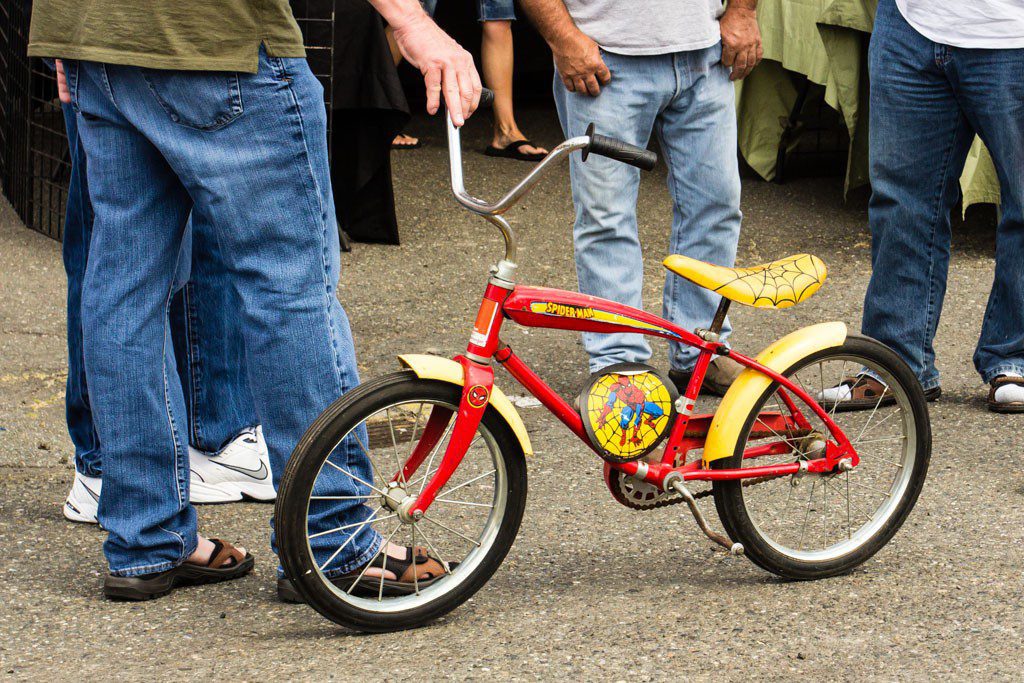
(648, 27)
(967, 23)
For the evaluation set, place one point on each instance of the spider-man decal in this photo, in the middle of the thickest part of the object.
(637, 409)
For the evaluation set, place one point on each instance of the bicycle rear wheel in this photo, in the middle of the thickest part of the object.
(810, 526)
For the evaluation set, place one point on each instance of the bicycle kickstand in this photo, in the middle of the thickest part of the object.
(675, 483)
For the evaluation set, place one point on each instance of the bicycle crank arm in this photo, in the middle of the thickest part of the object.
(675, 483)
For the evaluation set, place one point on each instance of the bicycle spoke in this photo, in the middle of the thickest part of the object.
(384, 549)
(431, 473)
(373, 468)
(448, 528)
(467, 483)
(869, 488)
(807, 514)
(349, 539)
(394, 442)
(344, 471)
(464, 502)
(348, 526)
(415, 573)
(430, 544)
(415, 426)
(433, 452)
(342, 497)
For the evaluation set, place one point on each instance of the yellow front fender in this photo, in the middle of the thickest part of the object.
(447, 370)
(729, 420)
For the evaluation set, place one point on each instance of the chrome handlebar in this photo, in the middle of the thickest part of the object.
(493, 212)
(589, 143)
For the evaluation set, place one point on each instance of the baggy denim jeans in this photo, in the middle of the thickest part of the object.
(927, 103)
(247, 155)
(687, 99)
(210, 353)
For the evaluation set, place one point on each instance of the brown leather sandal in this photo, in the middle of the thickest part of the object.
(418, 570)
(866, 393)
(1004, 407)
(226, 563)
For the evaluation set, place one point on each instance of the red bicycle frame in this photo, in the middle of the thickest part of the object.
(559, 309)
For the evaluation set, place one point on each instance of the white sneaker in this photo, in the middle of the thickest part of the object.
(83, 501)
(240, 470)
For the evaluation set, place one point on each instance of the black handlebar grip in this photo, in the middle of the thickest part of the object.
(604, 146)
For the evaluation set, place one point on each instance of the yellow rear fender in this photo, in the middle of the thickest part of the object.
(727, 426)
(447, 370)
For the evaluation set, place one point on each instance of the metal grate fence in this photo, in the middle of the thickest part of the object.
(34, 160)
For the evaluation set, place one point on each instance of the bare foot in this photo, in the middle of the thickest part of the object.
(405, 141)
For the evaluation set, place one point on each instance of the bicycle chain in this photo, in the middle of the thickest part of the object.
(666, 499)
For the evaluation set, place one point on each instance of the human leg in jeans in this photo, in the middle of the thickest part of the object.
(919, 139)
(687, 98)
(209, 349)
(609, 258)
(992, 94)
(697, 134)
(259, 174)
(210, 354)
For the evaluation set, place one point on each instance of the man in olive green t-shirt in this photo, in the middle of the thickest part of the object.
(209, 108)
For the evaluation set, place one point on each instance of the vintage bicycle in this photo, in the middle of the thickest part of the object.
(802, 488)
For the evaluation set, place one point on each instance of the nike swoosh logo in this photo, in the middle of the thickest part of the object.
(261, 473)
(95, 496)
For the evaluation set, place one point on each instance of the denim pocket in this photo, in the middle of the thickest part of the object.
(204, 100)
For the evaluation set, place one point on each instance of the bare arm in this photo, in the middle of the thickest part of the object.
(741, 37)
(445, 66)
(577, 57)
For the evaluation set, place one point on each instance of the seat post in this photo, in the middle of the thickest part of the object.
(723, 309)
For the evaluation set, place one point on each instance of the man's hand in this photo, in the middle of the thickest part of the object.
(579, 64)
(577, 57)
(62, 84)
(445, 66)
(741, 39)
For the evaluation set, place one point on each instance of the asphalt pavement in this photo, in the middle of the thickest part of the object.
(591, 590)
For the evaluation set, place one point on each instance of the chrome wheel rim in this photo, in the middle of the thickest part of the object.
(821, 518)
(460, 527)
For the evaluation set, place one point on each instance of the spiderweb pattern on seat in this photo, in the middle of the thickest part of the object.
(779, 284)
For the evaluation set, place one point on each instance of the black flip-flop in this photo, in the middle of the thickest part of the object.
(226, 563)
(512, 151)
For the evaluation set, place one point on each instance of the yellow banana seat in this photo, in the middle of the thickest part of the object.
(779, 284)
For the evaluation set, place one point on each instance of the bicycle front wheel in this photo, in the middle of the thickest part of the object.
(817, 525)
(470, 527)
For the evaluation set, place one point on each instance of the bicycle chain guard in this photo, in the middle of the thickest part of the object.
(627, 410)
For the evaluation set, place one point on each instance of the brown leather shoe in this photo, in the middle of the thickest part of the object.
(722, 372)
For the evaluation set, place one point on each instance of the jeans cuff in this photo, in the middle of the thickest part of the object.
(1005, 368)
(360, 560)
(160, 566)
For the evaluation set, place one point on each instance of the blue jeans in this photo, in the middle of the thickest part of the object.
(210, 353)
(927, 103)
(687, 99)
(246, 155)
